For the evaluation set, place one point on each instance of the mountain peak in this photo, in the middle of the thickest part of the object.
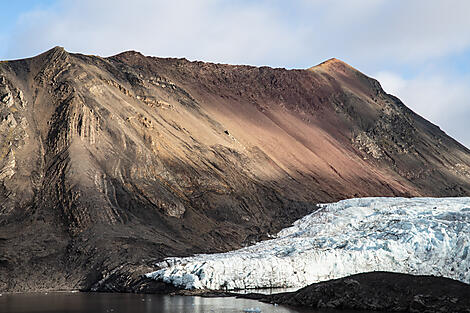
(334, 61)
(53, 54)
(129, 55)
(131, 52)
(333, 64)
(57, 49)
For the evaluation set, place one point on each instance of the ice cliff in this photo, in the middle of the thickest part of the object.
(415, 236)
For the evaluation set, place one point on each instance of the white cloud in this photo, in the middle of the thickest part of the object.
(221, 31)
(414, 31)
(440, 99)
(296, 33)
(371, 35)
(391, 82)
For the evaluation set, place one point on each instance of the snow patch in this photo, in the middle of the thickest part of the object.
(426, 236)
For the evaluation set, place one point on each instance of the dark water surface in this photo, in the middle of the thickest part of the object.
(131, 303)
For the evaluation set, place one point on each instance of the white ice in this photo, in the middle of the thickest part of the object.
(427, 236)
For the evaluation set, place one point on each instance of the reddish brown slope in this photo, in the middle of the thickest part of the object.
(331, 123)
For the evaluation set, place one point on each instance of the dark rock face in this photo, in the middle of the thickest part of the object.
(110, 164)
(381, 291)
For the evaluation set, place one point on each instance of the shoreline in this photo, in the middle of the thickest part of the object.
(372, 291)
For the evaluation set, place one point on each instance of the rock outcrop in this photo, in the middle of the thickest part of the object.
(108, 165)
(381, 291)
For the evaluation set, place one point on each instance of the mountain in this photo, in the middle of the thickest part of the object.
(107, 165)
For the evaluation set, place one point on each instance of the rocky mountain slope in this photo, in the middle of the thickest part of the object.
(110, 164)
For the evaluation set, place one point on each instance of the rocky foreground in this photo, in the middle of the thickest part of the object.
(109, 165)
(380, 291)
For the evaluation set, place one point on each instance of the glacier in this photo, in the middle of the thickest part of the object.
(425, 236)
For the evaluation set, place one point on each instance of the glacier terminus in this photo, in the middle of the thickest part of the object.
(425, 236)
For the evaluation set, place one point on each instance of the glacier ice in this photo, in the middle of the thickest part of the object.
(427, 236)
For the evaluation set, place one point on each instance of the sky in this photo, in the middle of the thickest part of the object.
(419, 50)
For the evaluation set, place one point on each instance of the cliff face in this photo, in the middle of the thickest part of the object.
(109, 164)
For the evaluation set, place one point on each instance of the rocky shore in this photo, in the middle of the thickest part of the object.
(379, 291)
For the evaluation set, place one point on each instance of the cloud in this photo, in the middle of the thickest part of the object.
(443, 100)
(413, 31)
(296, 33)
(224, 31)
(419, 38)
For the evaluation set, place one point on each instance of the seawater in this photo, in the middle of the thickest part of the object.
(134, 303)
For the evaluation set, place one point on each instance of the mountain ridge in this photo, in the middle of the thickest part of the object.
(109, 164)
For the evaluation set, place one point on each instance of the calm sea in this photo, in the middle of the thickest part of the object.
(132, 303)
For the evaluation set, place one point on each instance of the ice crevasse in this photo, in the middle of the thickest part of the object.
(426, 236)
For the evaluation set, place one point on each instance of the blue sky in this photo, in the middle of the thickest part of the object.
(418, 49)
(10, 13)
